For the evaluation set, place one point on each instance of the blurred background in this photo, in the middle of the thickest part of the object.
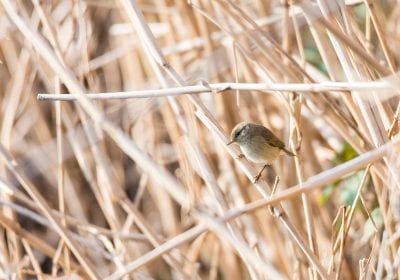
(142, 188)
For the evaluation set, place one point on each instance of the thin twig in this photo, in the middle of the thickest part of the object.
(365, 87)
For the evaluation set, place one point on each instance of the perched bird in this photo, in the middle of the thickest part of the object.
(258, 144)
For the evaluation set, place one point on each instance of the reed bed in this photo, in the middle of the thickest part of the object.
(115, 117)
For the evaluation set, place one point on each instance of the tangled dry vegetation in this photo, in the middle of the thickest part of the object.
(130, 175)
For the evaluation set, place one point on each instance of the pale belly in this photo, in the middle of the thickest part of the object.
(260, 154)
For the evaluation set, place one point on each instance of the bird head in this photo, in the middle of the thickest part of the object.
(239, 133)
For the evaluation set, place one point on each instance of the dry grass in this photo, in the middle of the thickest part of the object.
(138, 182)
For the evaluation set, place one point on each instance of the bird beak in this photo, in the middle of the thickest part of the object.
(230, 142)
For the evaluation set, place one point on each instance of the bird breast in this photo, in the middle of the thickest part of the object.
(260, 152)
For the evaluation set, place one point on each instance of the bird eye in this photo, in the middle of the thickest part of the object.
(237, 133)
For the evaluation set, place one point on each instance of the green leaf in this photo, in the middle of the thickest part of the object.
(326, 194)
(313, 56)
(349, 191)
(347, 153)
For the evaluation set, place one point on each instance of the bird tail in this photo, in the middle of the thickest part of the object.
(288, 152)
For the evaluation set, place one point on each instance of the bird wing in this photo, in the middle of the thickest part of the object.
(274, 141)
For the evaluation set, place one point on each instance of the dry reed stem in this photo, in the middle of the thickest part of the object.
(312, 183)
(222, 87)
(33, 240)
(35, 195)
(148, 183)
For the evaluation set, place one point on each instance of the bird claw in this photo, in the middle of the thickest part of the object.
(240, 156)
(256, 178)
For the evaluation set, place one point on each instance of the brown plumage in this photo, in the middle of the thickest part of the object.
(258, 143)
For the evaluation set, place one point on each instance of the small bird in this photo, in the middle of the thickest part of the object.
(258, 144)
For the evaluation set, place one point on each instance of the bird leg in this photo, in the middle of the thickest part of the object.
(256, 178)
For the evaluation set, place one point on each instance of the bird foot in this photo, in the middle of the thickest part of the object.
(256, 178)
(240, 156)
